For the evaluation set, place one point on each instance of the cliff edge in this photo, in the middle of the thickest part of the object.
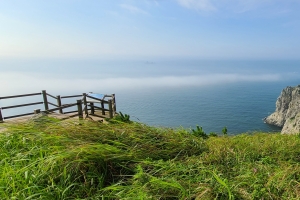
(287, 114)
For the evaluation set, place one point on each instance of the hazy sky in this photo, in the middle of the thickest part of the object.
(117, 29)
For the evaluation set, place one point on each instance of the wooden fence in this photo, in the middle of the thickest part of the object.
(83, 105)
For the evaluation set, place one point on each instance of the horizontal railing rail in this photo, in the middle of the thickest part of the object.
(22, 95)
(72, 111)
(101, 108)
(71, 96)
(101, 100)
(52, 104)
(21, 105)
(21, 115)
(62, 107)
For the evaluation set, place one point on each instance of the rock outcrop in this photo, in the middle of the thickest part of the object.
(287, 114)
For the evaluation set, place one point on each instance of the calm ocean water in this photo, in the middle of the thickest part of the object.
(212, 94)
(240, 107)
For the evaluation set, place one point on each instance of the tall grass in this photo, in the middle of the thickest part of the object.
(51, 159)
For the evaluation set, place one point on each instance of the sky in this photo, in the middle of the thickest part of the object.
(146, 29)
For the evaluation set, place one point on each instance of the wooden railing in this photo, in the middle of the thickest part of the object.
(112, 109)
(17, 106)
(89, 105)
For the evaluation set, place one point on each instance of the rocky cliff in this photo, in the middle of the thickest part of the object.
(283, 111)
(287, 114)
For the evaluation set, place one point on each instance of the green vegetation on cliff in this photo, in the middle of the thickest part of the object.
(51, 159)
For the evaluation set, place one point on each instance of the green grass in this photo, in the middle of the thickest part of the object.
(51, 159)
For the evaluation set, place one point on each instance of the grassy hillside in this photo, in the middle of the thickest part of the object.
(51, 159)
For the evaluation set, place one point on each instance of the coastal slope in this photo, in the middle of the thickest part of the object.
(287, 114)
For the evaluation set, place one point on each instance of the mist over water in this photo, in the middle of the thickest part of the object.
(212, 94)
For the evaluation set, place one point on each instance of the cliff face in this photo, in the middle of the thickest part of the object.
(287, 114)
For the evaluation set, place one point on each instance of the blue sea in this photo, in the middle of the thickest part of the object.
(160, 92)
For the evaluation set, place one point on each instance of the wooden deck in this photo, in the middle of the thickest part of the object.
(95, 117)
(98, 117)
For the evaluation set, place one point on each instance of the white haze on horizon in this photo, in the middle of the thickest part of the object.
(13, 83)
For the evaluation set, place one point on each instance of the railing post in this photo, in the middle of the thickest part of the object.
(59, 104)
(1, 117)
(92, 108)
(45, 100)
(37, 111)
(79, 107)
(114, 102)
(102, 106)
(85, 104)
(110, 109)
